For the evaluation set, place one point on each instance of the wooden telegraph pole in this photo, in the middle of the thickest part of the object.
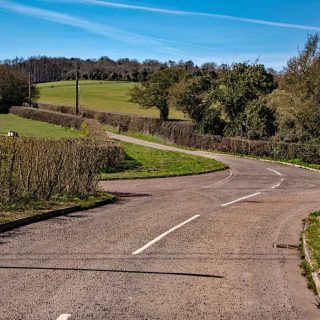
(30, 83)
(77, 91)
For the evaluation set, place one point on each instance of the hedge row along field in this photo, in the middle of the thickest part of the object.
(184, 133)
(37, 169)
(110, 153)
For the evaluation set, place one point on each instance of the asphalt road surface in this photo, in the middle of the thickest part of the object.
(197, 247)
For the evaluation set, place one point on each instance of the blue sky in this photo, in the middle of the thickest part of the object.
(223, 31)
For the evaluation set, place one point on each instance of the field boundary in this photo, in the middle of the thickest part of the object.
(113, 135)
(184, 133)
(112, 153)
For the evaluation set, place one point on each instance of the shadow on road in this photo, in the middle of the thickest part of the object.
(199, 275)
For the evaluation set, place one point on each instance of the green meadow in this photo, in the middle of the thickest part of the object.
(108, 96)
(31, 128)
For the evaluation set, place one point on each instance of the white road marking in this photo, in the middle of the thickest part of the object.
(278, 185)
(164, 234)
(275, 171)
(240, 199)
(64, 317)
(223, 180)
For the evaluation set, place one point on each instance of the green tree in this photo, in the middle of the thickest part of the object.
(212, 122)
(237, 86)
(297, 102)
(190, 96)
(14, 88)
(260, 120)
(155, 91)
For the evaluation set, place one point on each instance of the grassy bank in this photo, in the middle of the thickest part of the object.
(105, 96)
(154, 139)
(21, 210)
(31, 128)
(144, 162)
(311, 234)
(313, 238)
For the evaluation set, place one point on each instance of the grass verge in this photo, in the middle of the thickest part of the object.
(145, 137)
(304, 164)
(145, 162)
(151, 138)
(20, 210)
(32, 128)
(312, 237)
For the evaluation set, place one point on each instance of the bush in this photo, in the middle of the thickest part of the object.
(110, 153)
(37, 169)
(64, 120)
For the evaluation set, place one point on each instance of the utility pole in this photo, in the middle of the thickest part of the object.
(30, 83)
(77, 91)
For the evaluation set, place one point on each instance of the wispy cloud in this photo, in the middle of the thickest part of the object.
(93, 27)
(194, 13)
(153, 43)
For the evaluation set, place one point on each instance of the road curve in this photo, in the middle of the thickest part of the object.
(198, 247)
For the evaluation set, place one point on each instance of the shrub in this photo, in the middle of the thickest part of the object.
(37, 169)
(110, 153)
(64, 120)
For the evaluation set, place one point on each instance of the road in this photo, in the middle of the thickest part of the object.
(197, 247)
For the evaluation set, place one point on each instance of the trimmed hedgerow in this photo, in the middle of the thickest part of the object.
(37, 169)
(110, 152)
(64, 120)
(184, 133)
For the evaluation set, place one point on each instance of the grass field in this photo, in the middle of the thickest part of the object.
(31, 128)
(144, 162)
(98, 95)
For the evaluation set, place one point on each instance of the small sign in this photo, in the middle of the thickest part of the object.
(12, 134)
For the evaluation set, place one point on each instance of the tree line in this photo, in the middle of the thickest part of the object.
(244, 99)
(48, 69)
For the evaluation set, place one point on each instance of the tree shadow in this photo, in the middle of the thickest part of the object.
(128, 163)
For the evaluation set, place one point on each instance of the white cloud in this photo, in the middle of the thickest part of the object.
(96, 28)
(193, 13)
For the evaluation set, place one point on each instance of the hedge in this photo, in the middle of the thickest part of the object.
(110, 152)
(37, 169)
(184, 133)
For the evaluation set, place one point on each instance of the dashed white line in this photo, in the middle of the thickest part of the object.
(275, 171)
(278, 185)
(64, 317)
(218, 182)
(240, 199)
(164, 234)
